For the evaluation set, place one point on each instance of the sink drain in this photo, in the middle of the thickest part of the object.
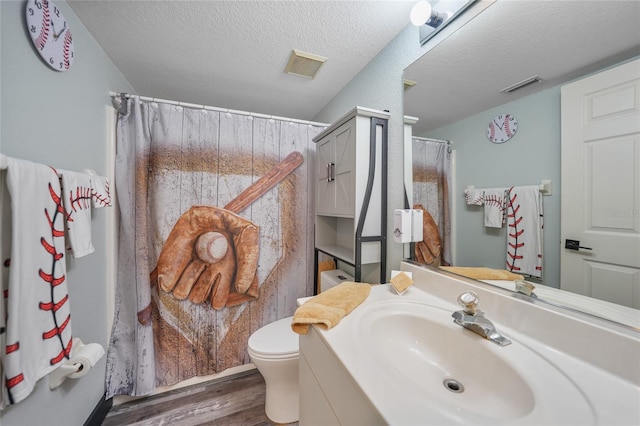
(453, 385)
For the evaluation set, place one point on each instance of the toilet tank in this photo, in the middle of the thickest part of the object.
(332, 278)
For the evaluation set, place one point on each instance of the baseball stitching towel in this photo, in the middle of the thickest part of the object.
(77, 196)
(474, 197)
(524, 230)
(495, 200)
(101, 194)
(38, 325)
(5, 259)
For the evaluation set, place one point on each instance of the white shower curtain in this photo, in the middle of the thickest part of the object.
(431, 186)
(130, 357)
(182, 173)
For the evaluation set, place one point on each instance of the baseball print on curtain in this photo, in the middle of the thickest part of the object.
(215, 239)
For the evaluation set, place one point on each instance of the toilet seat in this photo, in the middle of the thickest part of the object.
(274, 341)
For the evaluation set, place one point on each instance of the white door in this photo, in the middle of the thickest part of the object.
(601, 185)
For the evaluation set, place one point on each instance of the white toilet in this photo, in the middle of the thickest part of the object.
(274, 351)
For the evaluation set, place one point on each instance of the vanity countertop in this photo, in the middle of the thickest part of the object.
(591, 305)
(602, 396)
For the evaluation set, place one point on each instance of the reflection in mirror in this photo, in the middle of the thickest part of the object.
(431, 177)
(459, 93)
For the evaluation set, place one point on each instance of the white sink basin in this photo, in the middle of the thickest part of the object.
(461, 375)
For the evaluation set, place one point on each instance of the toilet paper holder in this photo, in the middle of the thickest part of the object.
(60, 374)
(83, 358)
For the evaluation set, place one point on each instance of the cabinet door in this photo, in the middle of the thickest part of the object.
(325, 190)
(335, 172)
(345, 169)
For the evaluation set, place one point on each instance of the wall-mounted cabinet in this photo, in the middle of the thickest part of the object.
(351, 190)
(336, 172)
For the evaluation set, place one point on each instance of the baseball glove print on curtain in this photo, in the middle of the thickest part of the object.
(210, 253)
(216, 215)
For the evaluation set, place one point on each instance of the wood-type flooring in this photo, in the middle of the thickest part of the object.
(236, 400)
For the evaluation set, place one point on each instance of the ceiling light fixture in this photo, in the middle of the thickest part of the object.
(431, 19)
(423, 14)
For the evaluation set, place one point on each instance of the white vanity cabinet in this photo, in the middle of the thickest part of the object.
(351, 181)
(329, 395)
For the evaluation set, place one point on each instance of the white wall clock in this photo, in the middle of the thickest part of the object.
(50, 33)
(502, 128)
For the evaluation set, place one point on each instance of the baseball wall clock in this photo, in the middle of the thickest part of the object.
(50, 33)
(502, 128)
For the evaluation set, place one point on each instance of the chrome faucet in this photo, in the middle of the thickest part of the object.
(473, 319)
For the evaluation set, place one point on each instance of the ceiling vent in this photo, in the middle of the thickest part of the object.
(524, 83)
(304, 64)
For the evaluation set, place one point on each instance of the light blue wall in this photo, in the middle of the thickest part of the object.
(532, 155)
(60, 119)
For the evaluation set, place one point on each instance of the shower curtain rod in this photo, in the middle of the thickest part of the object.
(449, 143)
(433, 140)
(217, 109)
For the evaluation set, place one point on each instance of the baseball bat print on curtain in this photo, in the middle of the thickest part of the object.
(242, 181)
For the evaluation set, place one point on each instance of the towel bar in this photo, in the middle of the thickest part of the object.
(546, 187)
(3, 165)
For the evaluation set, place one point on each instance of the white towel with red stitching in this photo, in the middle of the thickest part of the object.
(474, 197)
(77, 195)
(101, 193)
(5, 261)
(38, 327)
(524, 230)
(495, 201)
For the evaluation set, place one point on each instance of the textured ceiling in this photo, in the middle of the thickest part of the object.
(232, 54)
(511, 41)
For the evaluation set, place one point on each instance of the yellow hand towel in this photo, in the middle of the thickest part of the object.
(329, 307)
(481, 273)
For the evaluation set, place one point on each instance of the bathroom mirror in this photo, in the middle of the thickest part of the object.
(461, 86)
